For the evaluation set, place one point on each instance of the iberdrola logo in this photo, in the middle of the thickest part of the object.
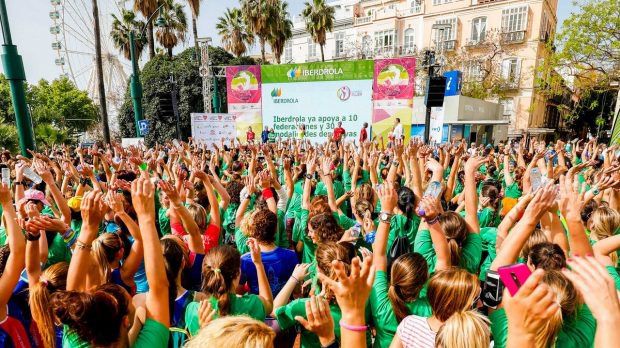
(293, 73)
(276, 92)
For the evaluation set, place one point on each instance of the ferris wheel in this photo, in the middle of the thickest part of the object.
(74, 43)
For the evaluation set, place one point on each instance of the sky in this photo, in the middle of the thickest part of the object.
(30, 27)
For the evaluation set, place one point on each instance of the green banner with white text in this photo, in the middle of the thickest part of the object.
(319, 71)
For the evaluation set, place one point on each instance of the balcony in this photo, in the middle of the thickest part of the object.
(446, 45)
(513, 36)
(510, 84)
(410, 11)
(363, 20)
(389, 52)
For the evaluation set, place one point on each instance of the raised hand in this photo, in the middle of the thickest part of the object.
(143, 196)
(254, 251)
(474, 162)
(93, 208)
(170, 191)
(5, 194)
(205, 313)
(42, 170)
(387, 197)
(319, 320)
(115, 201)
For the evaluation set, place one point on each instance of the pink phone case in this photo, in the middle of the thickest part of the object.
(513, 276)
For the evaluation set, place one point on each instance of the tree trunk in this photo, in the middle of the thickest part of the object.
(262, 49)
(322, 54)
(99, 66)
(196, 47)
(170, 52)
(151, 40)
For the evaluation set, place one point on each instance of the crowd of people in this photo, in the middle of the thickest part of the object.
(293, 244)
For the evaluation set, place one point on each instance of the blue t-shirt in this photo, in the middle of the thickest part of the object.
(192, 276)
(142, 285)
(279, 265)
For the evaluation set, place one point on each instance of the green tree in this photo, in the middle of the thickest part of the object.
(62, 105)
(121, 27)
(156, 79)
(147, 8)
(281, 29)
(319, 21)
(257, 15)
(234, 33)
(8, 135)
(175, 27)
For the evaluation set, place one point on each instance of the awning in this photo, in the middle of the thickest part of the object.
(539, 130)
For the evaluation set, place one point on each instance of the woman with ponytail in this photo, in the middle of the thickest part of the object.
(489, 206)
(462, 235)
(221, 275)
(391, 300)
(42, 285)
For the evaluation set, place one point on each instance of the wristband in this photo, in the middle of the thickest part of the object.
(297, 280)
(82, 245)
(432, 221)
(32, 237)
(267, 193)
(356, 328)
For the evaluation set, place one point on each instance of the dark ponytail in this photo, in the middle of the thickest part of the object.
(219, 269)
(95, 317)
(173, 261)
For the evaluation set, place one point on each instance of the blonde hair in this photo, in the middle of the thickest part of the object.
(450, 291)
(104, 250)
(604, 222)
(234, 332)
(199, 214)
(537, 237)
(468, 329)
(568, 298)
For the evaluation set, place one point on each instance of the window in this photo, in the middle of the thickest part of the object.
(509, 106)
(446, 37)
(288, 51)
(384, 41)
(514, 23)
(339, 39)
(478, 29)
(440, 2)
(409, 41)
(546, 27)
(311, 49)
(511, 70)
(367, 46)
(416, 6)
(473, 70)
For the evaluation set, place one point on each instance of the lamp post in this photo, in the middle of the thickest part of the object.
(135, 85)
(14, 71)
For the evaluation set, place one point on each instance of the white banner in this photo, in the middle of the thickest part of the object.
(436, 125)
(211, 128)
(317, 105)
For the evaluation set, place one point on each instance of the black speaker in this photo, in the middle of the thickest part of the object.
(435, 91)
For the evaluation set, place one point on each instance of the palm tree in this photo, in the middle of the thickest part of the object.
(147, 8)
(103, 107)
(173, 32)
(234, 33)
(120, 33)
(281, 29)
(319, 20)
(257, 15)
(194, 6)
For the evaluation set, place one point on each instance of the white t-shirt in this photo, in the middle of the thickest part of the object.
(414, 332)
(398, 131)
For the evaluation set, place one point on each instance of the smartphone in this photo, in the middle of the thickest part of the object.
(6, 176)
(176, 143)
(514, 276)
(536, 179)
(433, 189)
(32, 176)
(356, 230)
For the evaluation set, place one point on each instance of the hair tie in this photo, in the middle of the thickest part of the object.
(44, 283)
(217, 270)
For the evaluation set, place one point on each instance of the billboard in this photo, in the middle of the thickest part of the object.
(453, 82)
(393, 91)
(243, 91)
(436, 125)
(317, 95)
(211, 128)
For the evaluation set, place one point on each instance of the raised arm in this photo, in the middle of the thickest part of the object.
(132, 262)
(143, 199)
(264, 289)
(195, 242)
(388, 198)
(17, 245)
(471, 196)
(59, 198)
(570, 206)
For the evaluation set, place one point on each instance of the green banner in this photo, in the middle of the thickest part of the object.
(319, 71)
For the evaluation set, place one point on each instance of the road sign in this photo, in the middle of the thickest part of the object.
(143, 125)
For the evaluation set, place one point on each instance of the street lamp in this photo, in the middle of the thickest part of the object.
(14, 71)
(135, 85)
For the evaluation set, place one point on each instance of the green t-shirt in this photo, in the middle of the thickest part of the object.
(471, 251)
(229, 217)
(164, 221)
(577, 331)
(489, 218)
(286, 319)
(241, 241)
(512, 191)
(489, 238)
(58, 251)
(383, 313)
(401, 225)
(248, 304)
(153, 335)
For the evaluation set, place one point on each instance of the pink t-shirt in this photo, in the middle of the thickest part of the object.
(415, 332)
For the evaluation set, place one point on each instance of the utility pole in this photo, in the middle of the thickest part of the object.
(205, 73)
(429, 60)
(14, 71)
(103, 108)
(135, 86)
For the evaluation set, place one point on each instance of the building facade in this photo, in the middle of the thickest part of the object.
(503, 38)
